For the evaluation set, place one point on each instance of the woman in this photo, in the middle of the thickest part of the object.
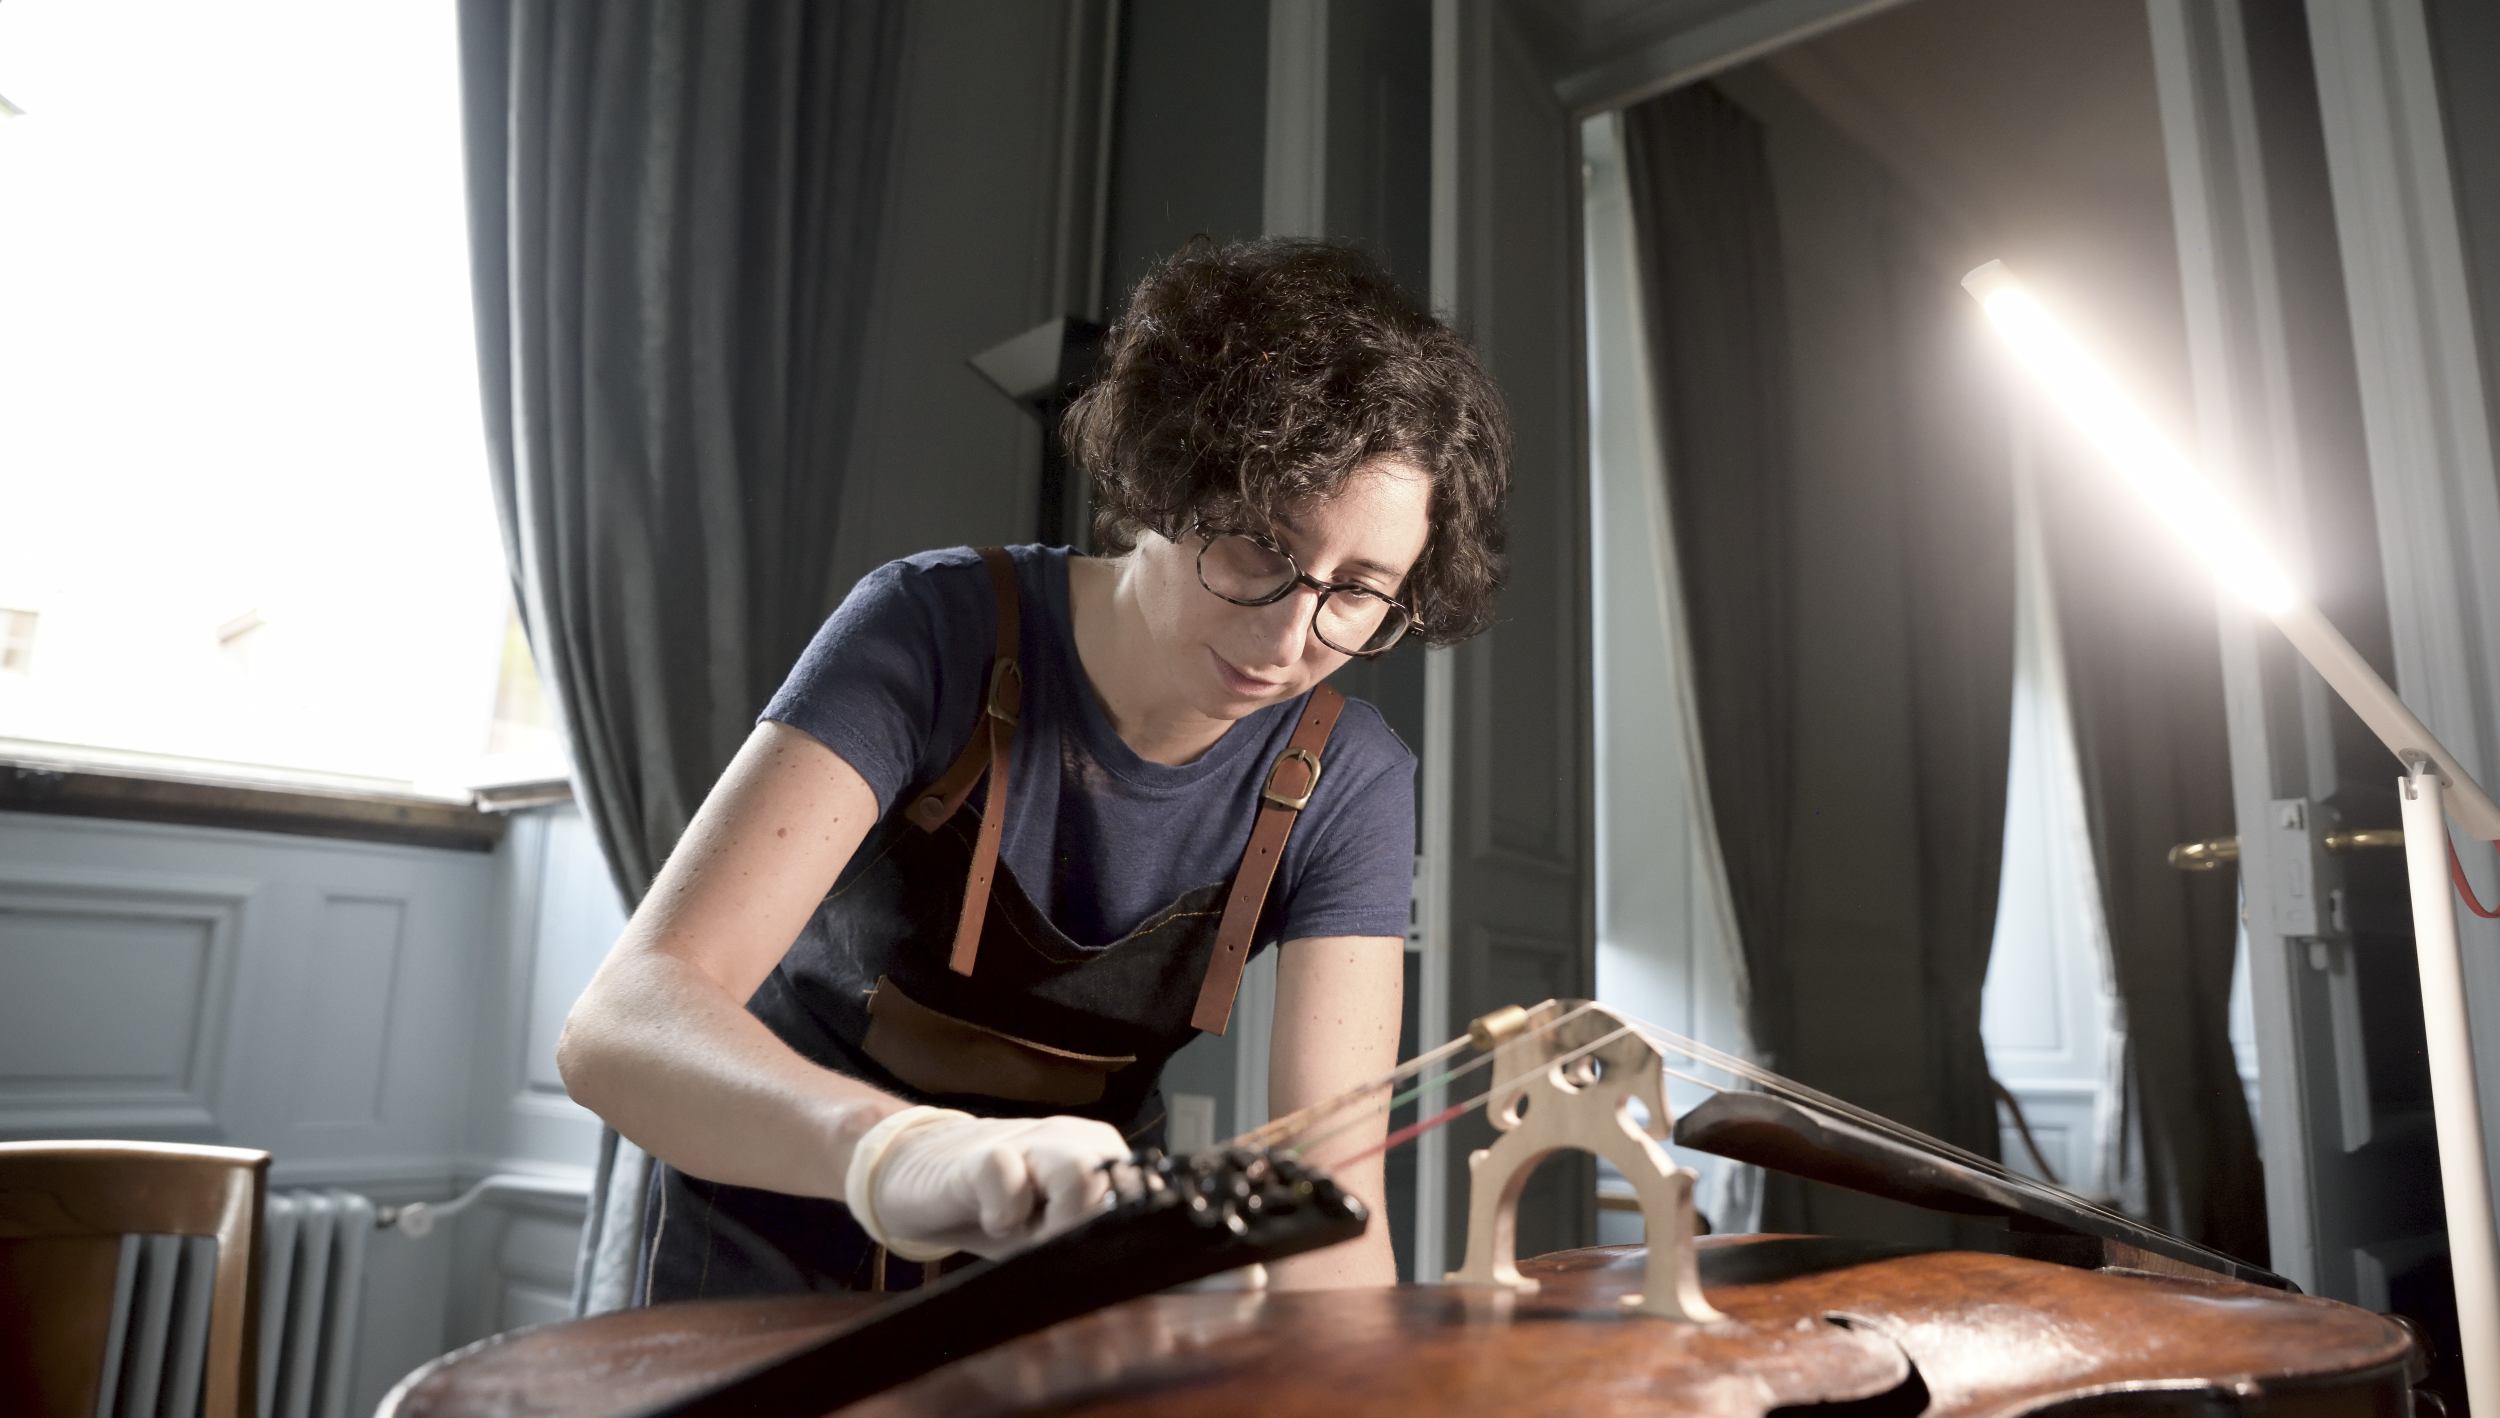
(886, 1002)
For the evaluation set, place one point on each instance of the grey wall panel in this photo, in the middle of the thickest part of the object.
(112, 995)
(285, 992)
(1190, 132)
(1510, 874)
(971, 253)
(343, 1036)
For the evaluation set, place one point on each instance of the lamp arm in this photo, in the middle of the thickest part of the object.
(2371, 697)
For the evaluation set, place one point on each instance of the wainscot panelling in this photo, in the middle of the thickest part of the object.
(113, 990)
(380, 1018)
(512, 1265)
(2063, 1118)
(555, 904)
(196, 984)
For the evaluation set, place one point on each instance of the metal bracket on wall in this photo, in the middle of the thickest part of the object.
(2300, 882)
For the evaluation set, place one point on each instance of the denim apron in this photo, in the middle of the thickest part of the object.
(928, 973)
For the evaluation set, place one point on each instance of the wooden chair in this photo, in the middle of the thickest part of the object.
(64, 1207)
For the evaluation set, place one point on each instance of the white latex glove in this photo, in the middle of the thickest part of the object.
(928, 1182)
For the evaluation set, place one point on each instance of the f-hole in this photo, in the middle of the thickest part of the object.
(1903, 1400)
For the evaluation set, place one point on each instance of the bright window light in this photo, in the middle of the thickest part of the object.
(243, 496)
(2192, 507)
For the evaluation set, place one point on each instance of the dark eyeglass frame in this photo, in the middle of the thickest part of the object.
(1207, 538)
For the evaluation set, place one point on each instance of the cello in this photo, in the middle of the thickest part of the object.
(2078, 1310)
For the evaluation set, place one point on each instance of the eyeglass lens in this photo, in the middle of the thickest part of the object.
(1349, 620)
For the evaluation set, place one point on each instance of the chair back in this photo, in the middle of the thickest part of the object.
(64, 1207)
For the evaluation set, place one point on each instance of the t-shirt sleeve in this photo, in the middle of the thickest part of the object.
(1356, 876)
(872, 683)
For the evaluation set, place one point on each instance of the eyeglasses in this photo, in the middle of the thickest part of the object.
(1249, 570)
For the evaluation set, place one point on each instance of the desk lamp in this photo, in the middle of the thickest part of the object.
(2432, 789)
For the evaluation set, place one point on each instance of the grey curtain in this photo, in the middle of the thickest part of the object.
(2145, 683)
(673, 217)
(1957, 494)
(1707, 235)
(1844, 532)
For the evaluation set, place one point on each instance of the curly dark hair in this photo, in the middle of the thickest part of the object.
(1250, 376)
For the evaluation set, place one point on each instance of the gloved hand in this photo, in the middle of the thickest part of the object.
(928, 1182)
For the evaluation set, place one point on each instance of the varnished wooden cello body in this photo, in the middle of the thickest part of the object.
(1772, 1324)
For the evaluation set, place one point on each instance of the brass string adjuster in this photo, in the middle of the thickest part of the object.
(1282, 799)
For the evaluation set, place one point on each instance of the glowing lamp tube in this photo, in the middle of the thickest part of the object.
(2201, 517)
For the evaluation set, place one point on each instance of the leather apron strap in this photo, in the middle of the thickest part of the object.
(1290, 782)
(987, 750)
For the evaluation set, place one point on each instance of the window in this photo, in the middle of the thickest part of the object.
(239, 429)
(17, 641)
(522, 740)
(239, 640)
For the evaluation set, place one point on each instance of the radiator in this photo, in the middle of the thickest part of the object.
(312, 1281)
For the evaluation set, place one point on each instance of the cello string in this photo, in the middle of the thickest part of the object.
(1736, 1067)
(1621, 1029)
(1306, 1123)
(1698, 1052)
(1413, 1131)
(1276, 1130)
(1302, 1120)
(1427, 1085)
(1781, 1085)
(1409, 1096)
(1269, 1133)
(1403, 1135)
(1306, 1119)
(1416, 1130)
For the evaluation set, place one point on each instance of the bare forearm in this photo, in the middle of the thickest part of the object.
(673, 1063)
(1366, 1260)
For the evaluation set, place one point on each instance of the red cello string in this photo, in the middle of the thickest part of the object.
(2465, 888)
(1405, 1134)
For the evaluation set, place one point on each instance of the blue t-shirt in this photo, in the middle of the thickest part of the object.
(1099, 838)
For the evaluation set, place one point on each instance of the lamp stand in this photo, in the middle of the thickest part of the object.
(2456, 1101)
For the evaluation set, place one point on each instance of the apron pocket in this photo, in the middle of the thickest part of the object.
(944, 1056)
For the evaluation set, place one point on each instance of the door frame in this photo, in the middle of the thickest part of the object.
(1671, 43)
(2426, 414)
(2314, 1110)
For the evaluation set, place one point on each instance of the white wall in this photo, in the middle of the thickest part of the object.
(379, 1018)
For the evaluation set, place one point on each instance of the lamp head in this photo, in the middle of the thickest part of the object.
(2130, 444)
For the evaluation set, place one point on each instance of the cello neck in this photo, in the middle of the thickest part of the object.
(1797, 1138)
(1184, 1220)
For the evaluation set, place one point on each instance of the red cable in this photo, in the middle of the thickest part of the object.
(2465, 888)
